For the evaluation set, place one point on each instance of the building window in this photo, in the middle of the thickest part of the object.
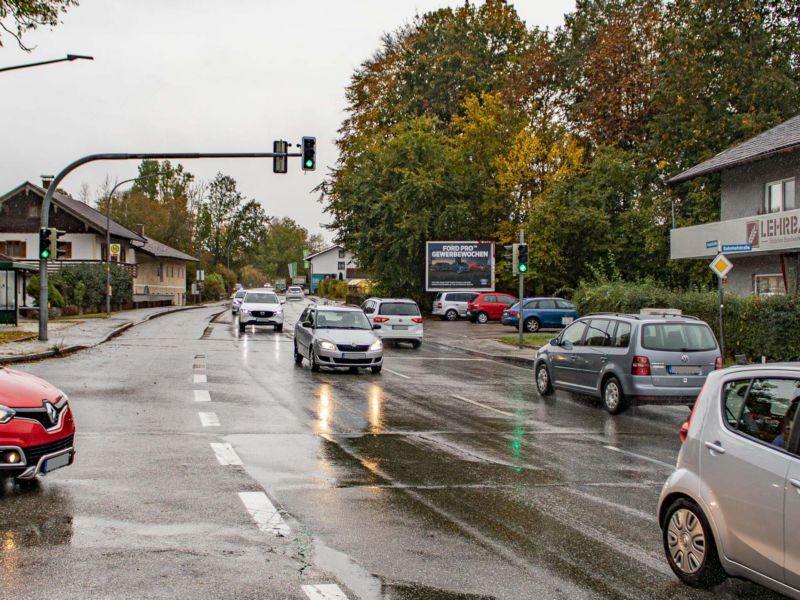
(341, 265)
(779, 195)
(34, 211)
(769, 285)
(341, 253)
(160, 272)
(67, 250)
(13, 248)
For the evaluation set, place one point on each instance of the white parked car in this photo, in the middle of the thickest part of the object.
(261, 307)
(395, 319)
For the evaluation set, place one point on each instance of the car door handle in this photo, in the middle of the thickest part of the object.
(795, 483)
(715, 447)
(603, 358)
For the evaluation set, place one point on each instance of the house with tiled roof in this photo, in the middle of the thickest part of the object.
(158, 271)
(759, 226)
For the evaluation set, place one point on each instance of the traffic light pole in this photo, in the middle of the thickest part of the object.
(521, 292)
(48, 197)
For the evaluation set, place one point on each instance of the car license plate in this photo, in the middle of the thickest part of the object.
(683, 370)
(52, 464)
(399, 326)
(354, 355)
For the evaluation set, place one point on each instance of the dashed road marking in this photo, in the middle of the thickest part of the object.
(264, 513)
(396, 373)
(226, 455)
(209, 419)
(502, 412)
(325, 591)
(202, 396)
(200, 378)
(640, 456)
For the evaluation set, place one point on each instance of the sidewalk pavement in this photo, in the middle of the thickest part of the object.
(477, 340)
(67, 336)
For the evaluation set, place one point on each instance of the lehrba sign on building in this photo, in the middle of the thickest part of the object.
(459, 266)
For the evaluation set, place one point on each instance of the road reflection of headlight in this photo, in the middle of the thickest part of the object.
(375, 408)
(324, 409)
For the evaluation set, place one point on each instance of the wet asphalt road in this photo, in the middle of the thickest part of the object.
(446, 476)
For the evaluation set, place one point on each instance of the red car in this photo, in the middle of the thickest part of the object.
(36, 426)
(489, 306)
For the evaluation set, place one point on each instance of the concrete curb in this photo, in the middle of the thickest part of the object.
(78, 347)
(511, 359)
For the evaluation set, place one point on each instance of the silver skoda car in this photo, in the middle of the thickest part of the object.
(732, 505)
(337, 336)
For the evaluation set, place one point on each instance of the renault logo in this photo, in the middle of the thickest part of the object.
(685, 358)
(52, 413)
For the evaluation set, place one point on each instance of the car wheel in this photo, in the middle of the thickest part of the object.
(613, 397)
(416, 343)
(689, 545)
(241, 327)
(298, 358)
(313, 360)
(451, 315)
(543, 384)
(279, 328)
(376, 370)
(532, 325)
(483, 318)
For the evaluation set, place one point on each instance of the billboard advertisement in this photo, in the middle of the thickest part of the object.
(459, 266)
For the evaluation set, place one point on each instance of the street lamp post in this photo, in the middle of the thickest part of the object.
(108, 236)
(68, 57)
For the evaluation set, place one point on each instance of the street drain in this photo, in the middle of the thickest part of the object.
(207, 332)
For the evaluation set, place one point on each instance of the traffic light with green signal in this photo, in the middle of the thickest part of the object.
(309, 153)
(522, 258)
(45, 246)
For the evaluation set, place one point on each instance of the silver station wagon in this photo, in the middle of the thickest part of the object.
(625, 358)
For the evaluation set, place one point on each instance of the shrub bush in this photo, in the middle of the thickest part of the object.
(213, 287)
(753, 326)
(333, 289)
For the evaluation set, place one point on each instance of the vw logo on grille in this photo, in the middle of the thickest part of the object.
(52, 413)
(684, 358)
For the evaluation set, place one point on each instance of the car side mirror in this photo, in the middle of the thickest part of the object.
(555, 342)
(306, 324)
(376, 326)
(283, 301)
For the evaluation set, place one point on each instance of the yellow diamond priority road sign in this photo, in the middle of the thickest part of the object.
(721, 265)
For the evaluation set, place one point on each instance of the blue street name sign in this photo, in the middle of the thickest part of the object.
(737, 248)
(712, 243)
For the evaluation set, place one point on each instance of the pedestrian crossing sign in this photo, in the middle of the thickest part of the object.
(721, 265)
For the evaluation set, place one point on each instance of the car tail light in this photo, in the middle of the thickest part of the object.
(438, 305)
(512, 312)
(718, 363)
(380, 319)
(470, 305)
(685, 427)
(416, 319)
(640, 366)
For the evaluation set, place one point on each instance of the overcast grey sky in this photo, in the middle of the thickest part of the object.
(199, 76)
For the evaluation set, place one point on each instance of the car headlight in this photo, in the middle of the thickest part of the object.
(245, 310)
(376, 345)
(324, 345)
(6, 414)
(279, 311)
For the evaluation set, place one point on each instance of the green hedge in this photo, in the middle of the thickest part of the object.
(332, 288)
(754, 326)
(84, 287)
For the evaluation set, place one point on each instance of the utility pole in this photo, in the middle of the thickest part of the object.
(521, 291)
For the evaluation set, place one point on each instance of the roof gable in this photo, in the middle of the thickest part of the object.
(160, 250)
(781, 138)
(325, 251)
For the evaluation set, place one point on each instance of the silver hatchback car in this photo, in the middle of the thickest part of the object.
(337, 336)
(732, 505)
(624, 358)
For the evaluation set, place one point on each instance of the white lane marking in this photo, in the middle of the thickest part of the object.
(209, 419)
(266, 516)
(640, 456)
(396, 373)
(200, 378)
(502, 412)
(202, 396)
(429, 358)
(226, 455)
(326, 591)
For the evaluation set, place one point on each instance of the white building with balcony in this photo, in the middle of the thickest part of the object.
(759, 227)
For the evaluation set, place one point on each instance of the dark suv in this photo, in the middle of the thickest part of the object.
(646, 358)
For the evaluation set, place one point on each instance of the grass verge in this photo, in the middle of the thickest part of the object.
(12, 336)
(529, 340)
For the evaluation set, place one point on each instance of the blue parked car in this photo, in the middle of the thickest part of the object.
(538, 313)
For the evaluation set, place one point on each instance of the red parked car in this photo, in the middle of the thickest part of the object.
(36, 426)
(489, 306)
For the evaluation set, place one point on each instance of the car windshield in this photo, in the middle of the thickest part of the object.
(340, 319)
(294, 289)
(679, 337)
(399, 308)
(261, 298)
(240, 294)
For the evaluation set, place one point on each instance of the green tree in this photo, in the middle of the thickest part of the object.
(20, 16)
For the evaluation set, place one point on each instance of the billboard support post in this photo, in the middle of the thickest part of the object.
(521, 292)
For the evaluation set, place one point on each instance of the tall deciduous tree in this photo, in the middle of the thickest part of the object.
(19, 16)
